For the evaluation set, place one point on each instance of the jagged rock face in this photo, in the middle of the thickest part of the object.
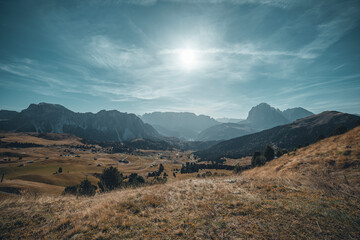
(264, 116)
(182, 125)
(102, 126)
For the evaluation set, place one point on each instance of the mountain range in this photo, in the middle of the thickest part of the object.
(116, 126)
(102, 126)
(228, 120)
(300, 132)
(184, 125)
(260, 117)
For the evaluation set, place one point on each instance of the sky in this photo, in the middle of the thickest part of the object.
(214, 57)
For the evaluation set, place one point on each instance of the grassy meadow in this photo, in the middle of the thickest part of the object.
(311, 193)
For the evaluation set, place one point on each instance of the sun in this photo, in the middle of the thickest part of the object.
(188, 59)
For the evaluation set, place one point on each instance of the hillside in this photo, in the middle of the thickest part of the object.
(301, 132)
(331, 164)
(225, 131)
(6, 114)
(280, 200)
(102, 126)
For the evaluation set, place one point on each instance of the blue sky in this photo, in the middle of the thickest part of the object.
(216, 57)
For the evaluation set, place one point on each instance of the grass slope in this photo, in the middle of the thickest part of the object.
(290, 202)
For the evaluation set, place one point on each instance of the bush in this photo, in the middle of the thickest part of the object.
(269, 153)
(86, 188)
(135, 179)
(110, 179)
(156, 173)
(259, 161)
(161, 168)
(238, 168)
(70, 190)
(255, 155)
(158, 180)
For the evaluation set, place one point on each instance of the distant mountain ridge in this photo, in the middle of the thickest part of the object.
(264, 116)
(301, 132)
(183, 125)
(260, 117)
(229, 120)
(6, 114)
(293, 114)
(116, 126)
(102, 126)
(225, 131)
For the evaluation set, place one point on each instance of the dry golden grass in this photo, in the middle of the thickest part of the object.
(332, 164)
(285, 199)
(212, 208)
(58, 139)
(56, 153)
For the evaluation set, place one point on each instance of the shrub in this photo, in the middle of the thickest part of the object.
(255, 155)
(110, 179)
(158, 180)
(135, 179)
(238, 168)
(86, 188)
(156, 173)
(161, 168)
(259, 161)
(269, 153)
(70, 190)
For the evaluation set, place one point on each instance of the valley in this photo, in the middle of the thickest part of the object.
(298, 180)
(35, 169)
(310, 193)
(180, 119)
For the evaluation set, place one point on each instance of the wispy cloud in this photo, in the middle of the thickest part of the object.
(330, 32)
(104, 53)
(268, 50)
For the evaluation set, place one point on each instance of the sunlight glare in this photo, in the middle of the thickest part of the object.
(188, 59)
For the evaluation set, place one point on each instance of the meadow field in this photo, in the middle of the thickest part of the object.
(310, 193)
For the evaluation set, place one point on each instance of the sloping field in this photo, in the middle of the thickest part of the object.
(44, 139)
(290, 202)
(332, 164)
